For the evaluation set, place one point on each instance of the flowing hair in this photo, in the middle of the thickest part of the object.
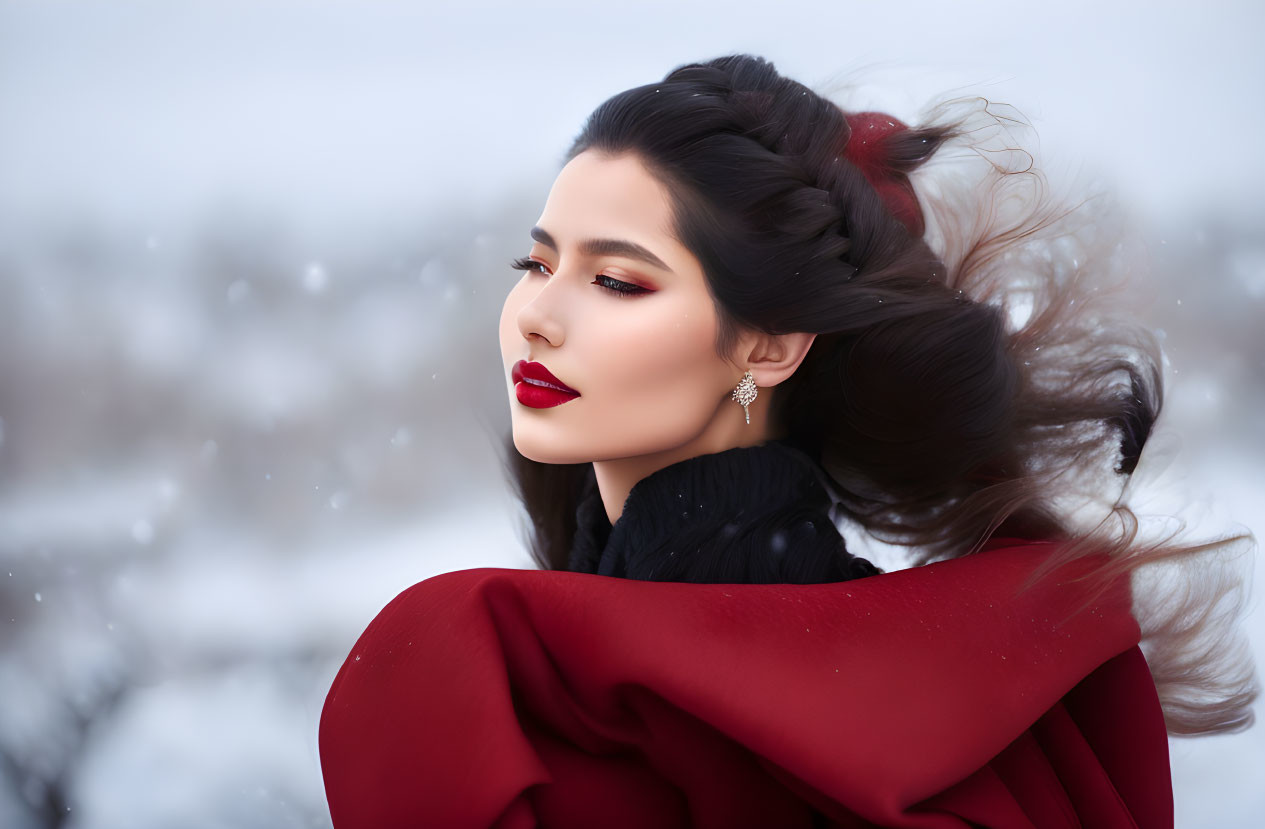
(974, 374)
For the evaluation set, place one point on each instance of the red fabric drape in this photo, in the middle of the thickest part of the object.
(928, 697)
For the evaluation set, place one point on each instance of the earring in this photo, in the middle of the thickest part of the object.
(745, 393)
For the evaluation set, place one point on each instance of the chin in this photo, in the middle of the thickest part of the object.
(541, 449)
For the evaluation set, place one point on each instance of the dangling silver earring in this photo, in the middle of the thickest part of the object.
(745, 393)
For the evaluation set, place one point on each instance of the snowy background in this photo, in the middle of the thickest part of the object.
(252, 258)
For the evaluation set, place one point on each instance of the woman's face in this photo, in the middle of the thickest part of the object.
(643, 362)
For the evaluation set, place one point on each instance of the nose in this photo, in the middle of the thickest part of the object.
(540, 315)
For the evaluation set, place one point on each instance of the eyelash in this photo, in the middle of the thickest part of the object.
(524, 263)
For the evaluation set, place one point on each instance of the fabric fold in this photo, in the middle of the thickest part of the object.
(927, 697)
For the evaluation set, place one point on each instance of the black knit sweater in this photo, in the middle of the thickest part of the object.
(754, 515)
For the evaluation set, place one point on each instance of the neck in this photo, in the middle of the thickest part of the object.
(728, 429)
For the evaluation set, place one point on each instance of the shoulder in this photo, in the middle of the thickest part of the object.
(483, 651)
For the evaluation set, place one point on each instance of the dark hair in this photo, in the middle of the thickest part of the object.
(941, 411)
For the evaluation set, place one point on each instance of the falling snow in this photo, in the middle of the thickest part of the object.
(229, 438)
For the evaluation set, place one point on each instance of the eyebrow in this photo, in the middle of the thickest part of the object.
(606, 247)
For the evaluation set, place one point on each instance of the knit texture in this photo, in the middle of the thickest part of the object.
(748, 515)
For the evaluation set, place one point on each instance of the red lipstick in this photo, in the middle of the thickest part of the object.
(535, 386)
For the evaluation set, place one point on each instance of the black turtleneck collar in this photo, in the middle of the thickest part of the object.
(755, 515)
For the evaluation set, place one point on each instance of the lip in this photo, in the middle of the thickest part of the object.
(538, 396)
(525, 370)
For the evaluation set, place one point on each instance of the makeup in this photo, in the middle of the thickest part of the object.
(535, 386)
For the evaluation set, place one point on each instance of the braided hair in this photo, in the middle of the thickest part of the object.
(908, 394)
(941, 417)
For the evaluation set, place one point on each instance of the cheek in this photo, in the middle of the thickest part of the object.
(637, 352)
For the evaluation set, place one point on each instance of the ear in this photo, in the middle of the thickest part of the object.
(774, 357)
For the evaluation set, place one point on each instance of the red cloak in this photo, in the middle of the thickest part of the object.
(927, 697)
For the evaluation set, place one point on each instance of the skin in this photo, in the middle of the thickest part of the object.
(652, 389)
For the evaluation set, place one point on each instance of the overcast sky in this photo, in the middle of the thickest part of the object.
(332, 113)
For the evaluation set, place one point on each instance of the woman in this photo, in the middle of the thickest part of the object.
(734, 317)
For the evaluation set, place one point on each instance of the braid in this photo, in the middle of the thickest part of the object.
(939, 418)
(870, 149)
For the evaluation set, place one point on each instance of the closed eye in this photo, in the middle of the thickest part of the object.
(609, 284)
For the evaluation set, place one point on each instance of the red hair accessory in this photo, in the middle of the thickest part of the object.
(866, 149)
